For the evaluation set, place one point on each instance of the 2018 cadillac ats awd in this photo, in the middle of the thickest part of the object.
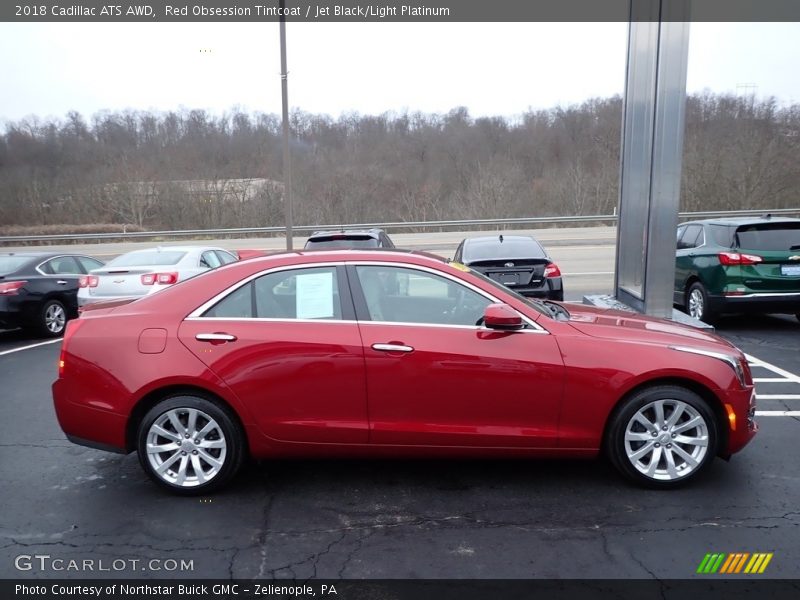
(388, 353)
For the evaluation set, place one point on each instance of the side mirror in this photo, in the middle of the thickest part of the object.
(502, 317)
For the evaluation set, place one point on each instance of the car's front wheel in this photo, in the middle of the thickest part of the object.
(662, 436)
(190, 445)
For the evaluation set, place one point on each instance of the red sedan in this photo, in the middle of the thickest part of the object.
(371, 353)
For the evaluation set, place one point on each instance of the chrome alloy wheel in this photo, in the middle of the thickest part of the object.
(186, 447)
(696, 305)
(666, 440)
(55, 318)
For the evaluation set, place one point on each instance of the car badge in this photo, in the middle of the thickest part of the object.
(119, 281)
(795, 257)
(509, 264)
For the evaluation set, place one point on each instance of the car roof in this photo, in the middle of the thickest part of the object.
(739, 221)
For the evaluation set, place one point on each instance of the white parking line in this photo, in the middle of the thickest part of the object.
(778, 413)
(778, 396)
(28, 347)
(757, 362)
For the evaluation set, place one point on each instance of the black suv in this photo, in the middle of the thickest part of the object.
(349, 238)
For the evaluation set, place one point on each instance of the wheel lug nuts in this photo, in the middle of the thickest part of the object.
(655, 433)
(197, 441)
(669, 445)
(179, 442)
(664, 428)
(658, 445)
(674, 435)
(183, 453)
(186, 436)
(194, 451)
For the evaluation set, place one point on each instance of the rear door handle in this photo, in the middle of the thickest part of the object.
(392, 348)
(61, 282)
(215, 337)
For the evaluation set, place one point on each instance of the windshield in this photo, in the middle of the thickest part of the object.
(9, 264)
(147, 258)
(533, 303)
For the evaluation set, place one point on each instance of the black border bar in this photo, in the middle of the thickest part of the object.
(331, 11)
(706, 588)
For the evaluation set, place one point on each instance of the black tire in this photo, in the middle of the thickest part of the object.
(705, 313)
(52, 320)
(623, 453)
(226, 430)
(797, 316)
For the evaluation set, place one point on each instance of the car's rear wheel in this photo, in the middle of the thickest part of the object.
(190, 445)
(662, 436)
(697, 304)
(52, 319)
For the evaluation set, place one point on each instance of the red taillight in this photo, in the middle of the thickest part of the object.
(730, 259)
(167, 278)
(552, 270)
(11, 288)
(88, 281)
(72, 327)
(161, 278)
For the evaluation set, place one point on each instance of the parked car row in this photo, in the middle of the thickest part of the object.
(41, 291)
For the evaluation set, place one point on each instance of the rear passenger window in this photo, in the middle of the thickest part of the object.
(63, 265)
(692, 237)
(294, 294)
(209, 260)
(299, 294)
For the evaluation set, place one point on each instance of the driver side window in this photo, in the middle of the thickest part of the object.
(401, 295)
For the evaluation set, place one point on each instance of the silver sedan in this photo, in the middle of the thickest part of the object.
(144, 272)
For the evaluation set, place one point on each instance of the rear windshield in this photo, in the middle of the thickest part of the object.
(506, 249)
(349, 242)
(147, 258)
(9, 264)
(769, 236)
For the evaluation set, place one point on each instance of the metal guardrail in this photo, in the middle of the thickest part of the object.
(395, 225)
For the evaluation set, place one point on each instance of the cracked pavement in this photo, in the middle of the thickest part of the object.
(393, 519)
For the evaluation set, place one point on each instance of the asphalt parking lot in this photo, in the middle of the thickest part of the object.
(392, 519)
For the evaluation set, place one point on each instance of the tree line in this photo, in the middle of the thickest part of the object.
(193, 169)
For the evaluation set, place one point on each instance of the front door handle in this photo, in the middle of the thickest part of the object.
(392, 348)
(215, 337)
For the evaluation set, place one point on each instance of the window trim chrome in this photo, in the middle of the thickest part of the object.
(197, 314)
(73, 256)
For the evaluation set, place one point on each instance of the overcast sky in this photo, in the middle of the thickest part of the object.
(491, 68)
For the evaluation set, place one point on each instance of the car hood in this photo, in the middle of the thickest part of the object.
(618, 324)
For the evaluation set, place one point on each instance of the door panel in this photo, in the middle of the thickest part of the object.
(293, 355)
(462, 386)
(302, 381)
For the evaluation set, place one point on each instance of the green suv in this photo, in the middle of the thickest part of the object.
(738, 265)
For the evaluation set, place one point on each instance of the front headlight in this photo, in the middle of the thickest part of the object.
(729, 359)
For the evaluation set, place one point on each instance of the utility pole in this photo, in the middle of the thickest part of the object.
(287, 164)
